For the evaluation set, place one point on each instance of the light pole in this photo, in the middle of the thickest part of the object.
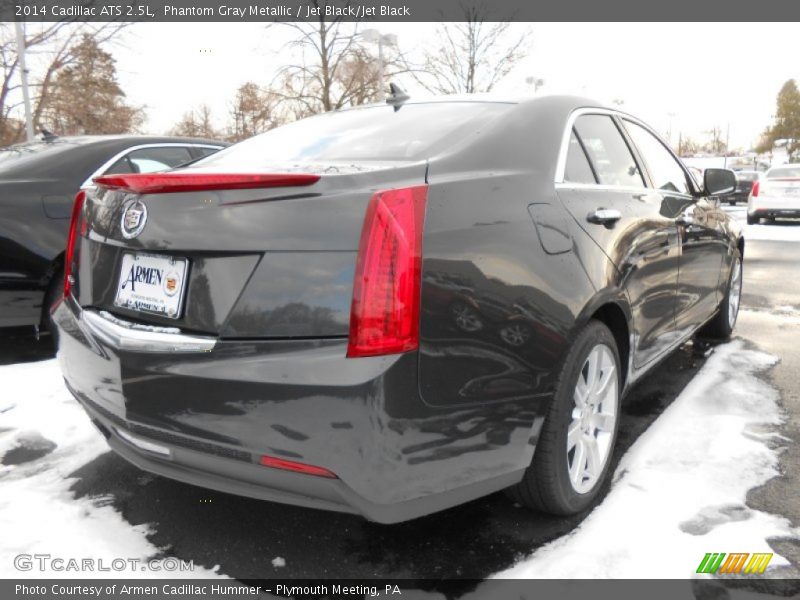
(536, 82)
(374, 36)
(23, 70)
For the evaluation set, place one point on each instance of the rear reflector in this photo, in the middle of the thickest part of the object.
(289, 465)
(167, 183)
(754, 190)
(384, 315)
(72, 239)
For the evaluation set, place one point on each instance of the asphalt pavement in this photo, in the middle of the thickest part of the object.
(244, 536)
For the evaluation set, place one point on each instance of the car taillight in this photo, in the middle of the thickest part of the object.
(167, 183)
(754, 190)
(384, 315)
(297, 467)
(72, 239)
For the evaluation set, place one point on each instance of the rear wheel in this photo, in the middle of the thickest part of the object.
(752, 220)
(721, 326)
(573, 454)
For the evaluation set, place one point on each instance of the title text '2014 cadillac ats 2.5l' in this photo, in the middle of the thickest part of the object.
(391, 310)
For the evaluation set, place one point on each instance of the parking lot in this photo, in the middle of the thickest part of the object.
(248, 538)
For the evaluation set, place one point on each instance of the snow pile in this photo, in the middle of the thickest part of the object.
(38, 513)
(680, 490)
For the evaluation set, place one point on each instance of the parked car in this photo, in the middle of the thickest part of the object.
(322, 315)
(745, 180)
(38, 181)
(776, 195)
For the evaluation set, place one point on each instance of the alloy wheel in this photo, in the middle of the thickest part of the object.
(594, 419)
(735, 293)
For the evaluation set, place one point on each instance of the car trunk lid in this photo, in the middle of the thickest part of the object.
(258, 255)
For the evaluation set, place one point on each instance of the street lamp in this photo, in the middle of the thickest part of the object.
(373, 36)
(535, 82)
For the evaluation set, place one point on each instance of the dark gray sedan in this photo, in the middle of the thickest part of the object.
(390, 310)
(38, 182)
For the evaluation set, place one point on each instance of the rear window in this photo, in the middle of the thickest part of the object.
(783, 172)
(376, 133)
(21, 154)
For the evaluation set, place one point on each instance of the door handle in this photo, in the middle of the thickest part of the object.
(604, 216)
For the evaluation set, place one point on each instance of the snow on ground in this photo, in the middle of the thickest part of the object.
(680, 490)
(782, 231)
(678, 493)
(38, 513)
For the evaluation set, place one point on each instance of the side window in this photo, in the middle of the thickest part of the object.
(202, 151)
(121, 166)
(608, 152)
(577, 168)
(666, 172)
(150, 160)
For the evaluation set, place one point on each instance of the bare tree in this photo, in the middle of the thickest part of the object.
(51, 48)
(332, 69)
(197, 123)
(254, 111)
(715, 143)
(472, 56)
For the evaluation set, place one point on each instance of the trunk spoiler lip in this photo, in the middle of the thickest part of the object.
(181, 181)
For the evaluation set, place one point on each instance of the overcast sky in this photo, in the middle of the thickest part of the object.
(690, 76)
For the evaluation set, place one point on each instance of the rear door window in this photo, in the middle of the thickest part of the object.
(608, 152)
(577, 168)
(159, 158)
(151, 160)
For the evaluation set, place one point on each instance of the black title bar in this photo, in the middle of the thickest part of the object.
(402, 10)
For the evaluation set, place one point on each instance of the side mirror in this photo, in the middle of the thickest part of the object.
(718, 182)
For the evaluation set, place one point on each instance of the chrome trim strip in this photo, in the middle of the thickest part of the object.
(124, 335)
(142, 444)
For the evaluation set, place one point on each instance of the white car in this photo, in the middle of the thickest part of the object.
(777, 194)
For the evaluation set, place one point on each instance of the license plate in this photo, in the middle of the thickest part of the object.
(152, 284)
(792, 191)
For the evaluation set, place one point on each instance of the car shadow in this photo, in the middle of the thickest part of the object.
(243, 536)
(19, 345)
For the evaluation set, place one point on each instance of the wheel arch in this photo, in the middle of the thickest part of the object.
(611, 308)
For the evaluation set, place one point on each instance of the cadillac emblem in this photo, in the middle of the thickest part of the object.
(134, 217)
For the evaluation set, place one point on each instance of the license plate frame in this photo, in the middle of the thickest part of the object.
(154, 296)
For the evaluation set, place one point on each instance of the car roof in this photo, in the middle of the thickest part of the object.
(491, 98)
(81, 140)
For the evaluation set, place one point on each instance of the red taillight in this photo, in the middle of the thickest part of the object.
(72, 238)
(290, 465)
(166, 183)
(754, 190)
(384, 316)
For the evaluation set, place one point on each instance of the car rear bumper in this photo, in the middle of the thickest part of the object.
(206, 415)
(736, 197)
(786, 213)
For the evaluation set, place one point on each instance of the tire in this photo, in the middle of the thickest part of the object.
(752, 220)
(721, 326)
(547, 484)
(732, 202)
(51, 298)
